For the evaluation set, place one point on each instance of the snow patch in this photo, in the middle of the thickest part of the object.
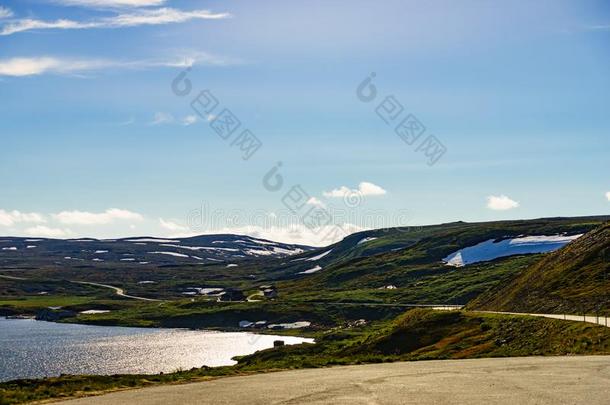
(318, 257)
(293, 325)
(365, 240)
(258, 252)
(310, 271)
(94, 311)
(490, 249)
(168, 254)
(289, 252)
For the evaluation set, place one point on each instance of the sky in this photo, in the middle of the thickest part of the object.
(115, 115)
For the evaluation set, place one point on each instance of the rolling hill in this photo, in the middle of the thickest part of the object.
(410, 265)
(141, 251)
(576, 277)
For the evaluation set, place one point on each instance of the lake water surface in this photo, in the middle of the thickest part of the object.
(33, 349)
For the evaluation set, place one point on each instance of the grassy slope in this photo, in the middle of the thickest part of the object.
(350, 265)
(574, 278)
(415, 335)
(425, 334)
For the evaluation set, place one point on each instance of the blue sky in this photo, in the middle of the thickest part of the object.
(95, 143)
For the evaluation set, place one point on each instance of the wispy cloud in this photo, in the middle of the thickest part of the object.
(111, 3)
(501, 203)
(36, 66)
(173, 226)
(600, 27)
(101, 218)
(125, 123)
(162, 118)
(189, 120)
(31, 66)
(608, 195)
(364, 189)
(157, 16)
(5, 12)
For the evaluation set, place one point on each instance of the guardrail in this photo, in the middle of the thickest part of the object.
(595, 319)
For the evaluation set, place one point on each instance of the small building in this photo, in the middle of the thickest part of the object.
(268, 291)
(231, 294)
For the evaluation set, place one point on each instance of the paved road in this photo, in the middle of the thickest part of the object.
(600, 320)
(12, 277)
(532, 380)
(119, 291)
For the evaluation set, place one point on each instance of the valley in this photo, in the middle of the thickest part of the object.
(376, 296)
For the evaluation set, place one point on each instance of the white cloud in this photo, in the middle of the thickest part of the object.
(608, 195)
(364, 189)
(46, 232)
(157, 16)
(501, 203)
(9, 218)
(172, 226)
(46, 64)
(189, 120)
(36, 66)
(5, 12)
(295, 233)
(111, 3)
(315, 202)
(102, 218)
(367, 188)
(162, 118)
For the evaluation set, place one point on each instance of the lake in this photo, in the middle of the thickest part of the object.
(34, 349)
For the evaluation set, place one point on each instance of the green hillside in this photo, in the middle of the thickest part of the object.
(411, 261)
(423, 334)
(573, 279)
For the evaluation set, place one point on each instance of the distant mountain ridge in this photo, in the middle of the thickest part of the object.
(204, 249)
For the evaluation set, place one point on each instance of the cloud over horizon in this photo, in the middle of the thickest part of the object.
(43, 231)
(501, 203)
(10, 218)
(101, 218)
(364, 189)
